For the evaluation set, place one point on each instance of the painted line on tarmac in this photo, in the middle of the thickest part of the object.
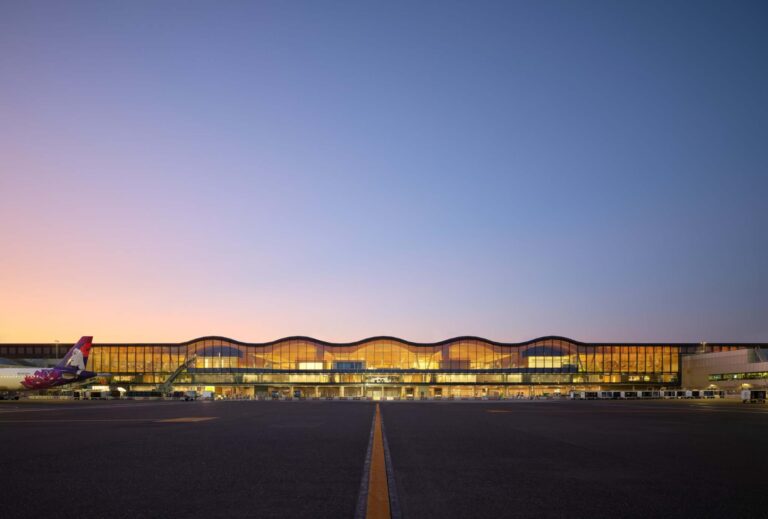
(378, 487)
(377, 499)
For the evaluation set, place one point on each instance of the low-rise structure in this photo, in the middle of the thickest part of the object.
(743, 368)
(389, 367)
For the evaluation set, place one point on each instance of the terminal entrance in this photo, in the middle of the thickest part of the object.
(383, 392)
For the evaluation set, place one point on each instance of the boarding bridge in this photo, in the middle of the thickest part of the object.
(165, 387)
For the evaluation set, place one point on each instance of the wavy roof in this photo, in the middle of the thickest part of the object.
(438, 343)
(405, 341)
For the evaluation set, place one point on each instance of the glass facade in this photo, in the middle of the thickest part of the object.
(390, 361)
(464, 366)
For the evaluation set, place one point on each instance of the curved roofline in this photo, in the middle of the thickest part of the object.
(381, 338)
(468, 338)
(412, 343)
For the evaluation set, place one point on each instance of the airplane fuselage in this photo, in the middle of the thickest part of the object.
(24, 379)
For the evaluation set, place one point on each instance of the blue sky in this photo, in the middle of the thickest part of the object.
(421, 169)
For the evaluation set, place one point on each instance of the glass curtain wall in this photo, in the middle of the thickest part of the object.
(552, 360)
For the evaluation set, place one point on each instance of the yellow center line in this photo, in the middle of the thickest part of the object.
(378, 489)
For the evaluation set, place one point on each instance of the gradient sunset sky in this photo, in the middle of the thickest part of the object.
(509, 169)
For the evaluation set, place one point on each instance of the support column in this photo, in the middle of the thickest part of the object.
(341, 390)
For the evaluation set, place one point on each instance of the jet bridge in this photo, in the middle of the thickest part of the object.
(165, 387)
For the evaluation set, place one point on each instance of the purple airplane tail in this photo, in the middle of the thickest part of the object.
(77, 356)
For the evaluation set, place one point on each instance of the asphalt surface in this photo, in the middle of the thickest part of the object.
(254, 459)
(306, 459)
(579, 459)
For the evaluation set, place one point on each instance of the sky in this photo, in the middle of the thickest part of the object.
(512, 169)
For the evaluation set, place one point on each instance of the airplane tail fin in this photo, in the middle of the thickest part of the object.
(77, 356)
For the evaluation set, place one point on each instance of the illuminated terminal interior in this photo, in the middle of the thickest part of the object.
(386, 367)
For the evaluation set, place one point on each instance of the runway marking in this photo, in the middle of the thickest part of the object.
(187, 419)
(378, 487)
(377, 498)
(497, 411)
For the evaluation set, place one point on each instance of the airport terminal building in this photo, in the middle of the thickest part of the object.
(384, 367)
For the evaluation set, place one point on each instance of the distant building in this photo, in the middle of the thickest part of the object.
(388, 367)
(744, 368)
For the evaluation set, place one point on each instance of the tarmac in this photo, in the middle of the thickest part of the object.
(548, 459)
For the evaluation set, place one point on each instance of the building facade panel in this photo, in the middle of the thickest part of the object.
(456, 367)
(728, 370)
(392, 361)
